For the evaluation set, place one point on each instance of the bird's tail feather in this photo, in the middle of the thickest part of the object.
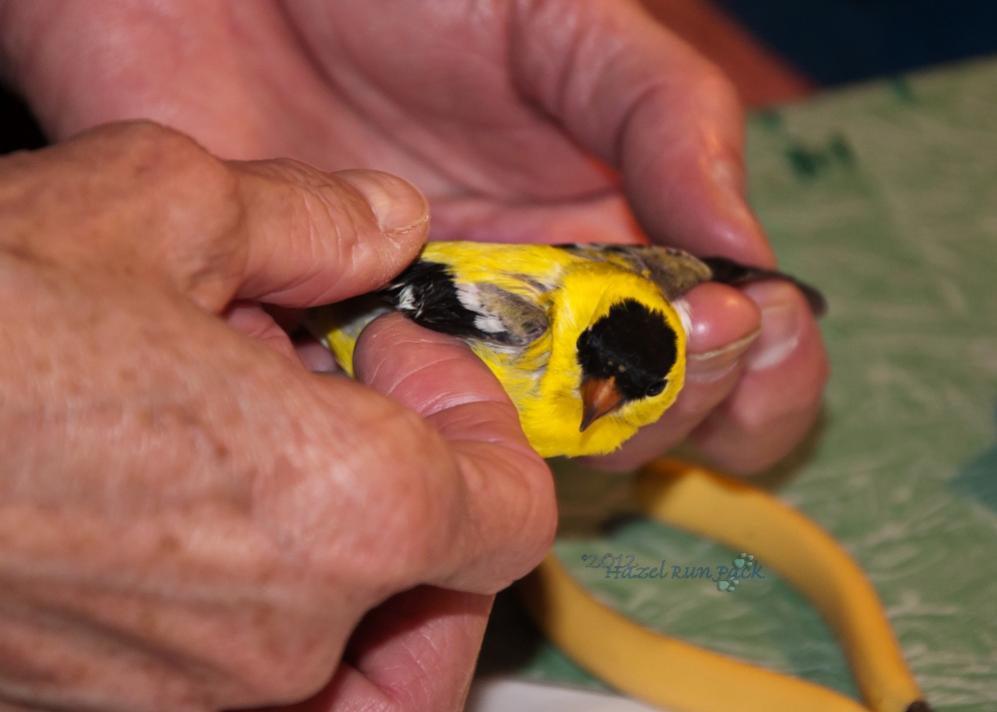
(728, 271)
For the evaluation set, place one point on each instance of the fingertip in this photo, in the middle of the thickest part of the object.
(779, 396)
(399, 208)
(725, 324)
(721, 315)
(254, 322)
(387, 349)
(786, 320)
(422, 369)
(316, 357)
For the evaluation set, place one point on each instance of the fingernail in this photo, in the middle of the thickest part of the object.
(713, 365)
(397, 205)
(728, 173)
(781, 324)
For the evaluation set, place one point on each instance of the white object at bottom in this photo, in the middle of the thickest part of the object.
(499, 694)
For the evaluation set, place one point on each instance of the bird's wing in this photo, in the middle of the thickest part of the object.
(674, 271)
(429, 294)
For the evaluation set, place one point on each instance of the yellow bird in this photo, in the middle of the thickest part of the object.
(588, 340)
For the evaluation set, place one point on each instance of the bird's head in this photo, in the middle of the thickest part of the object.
(631, 359)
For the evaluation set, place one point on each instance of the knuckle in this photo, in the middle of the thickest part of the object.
(159, 202)
(282, 679)
(193, 198)
(145, 132)
(282, 668)
(149, 142)
(170, 164)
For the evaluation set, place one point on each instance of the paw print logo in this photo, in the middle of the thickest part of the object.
(742, 566)
(743, 562)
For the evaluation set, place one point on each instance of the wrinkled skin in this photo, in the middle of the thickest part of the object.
(532, 120)
(189, 518)
(556, 120)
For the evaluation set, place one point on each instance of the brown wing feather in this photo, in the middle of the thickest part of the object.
(675, 271)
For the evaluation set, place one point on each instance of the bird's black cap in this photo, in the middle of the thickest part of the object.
(632, 344)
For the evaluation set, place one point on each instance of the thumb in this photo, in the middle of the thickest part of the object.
(160, 205)
(316, 237)
(652, 108)
(508, 514)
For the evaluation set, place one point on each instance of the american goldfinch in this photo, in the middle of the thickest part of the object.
(587, 340)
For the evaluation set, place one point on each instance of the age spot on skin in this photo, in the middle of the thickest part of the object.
(42, 366)
(222, 451)
(169, 544)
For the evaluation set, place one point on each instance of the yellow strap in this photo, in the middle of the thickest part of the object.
(680, 676)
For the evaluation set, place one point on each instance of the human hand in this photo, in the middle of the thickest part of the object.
(189, 518)
(521, 120)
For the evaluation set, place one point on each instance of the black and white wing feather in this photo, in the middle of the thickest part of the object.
(429, 295)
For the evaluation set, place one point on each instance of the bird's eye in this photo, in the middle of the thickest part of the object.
(654, 389)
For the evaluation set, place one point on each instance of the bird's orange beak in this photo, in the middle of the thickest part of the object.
(599, 397)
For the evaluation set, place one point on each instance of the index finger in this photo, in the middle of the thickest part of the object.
(277, 231)
(316, 237)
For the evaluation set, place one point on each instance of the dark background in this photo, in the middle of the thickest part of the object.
(841, 41)
(17, 127)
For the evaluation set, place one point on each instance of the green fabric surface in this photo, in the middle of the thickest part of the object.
(885, 196)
